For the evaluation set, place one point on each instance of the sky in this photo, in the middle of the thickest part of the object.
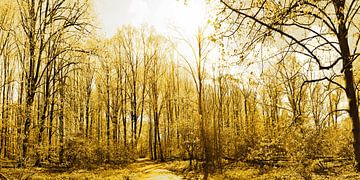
(172, 18)
(164, 15)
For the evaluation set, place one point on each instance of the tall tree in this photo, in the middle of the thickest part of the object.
(42, 22)
(197, 71)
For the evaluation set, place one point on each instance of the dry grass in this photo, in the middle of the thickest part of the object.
(238, 170)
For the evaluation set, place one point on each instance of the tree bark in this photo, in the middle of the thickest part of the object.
(349, 78)
(61, 118)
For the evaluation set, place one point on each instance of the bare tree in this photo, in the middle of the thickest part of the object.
(200, 52)
(327, 26)
(43, 23)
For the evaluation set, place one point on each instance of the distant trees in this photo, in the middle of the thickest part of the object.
(7, 77)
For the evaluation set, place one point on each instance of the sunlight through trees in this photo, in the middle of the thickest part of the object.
(264, 88)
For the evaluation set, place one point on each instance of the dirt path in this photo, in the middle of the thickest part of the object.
(139, 170)
(146, 169)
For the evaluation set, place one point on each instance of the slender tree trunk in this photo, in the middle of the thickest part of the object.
(3, 111)
(142, 108)
(115, 112)
(87, 111)
(50, 132)
(61, 118)
(134, 113)
(108, 116)
(155, 135)
(161, 155)
(123, 112)
(150, 137)
(43, 118)
(19, 118)
(99, 125)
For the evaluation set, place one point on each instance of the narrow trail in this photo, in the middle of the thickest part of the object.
(146, 169)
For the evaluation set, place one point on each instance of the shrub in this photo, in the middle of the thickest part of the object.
(79, 153)
(268, 150)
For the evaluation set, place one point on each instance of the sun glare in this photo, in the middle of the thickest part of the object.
(164, 15)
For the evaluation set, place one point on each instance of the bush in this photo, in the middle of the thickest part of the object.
(120, 155)
(268, 150)
(82, 153)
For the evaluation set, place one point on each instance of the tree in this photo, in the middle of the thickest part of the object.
(324, 26)
(197, 72)
(7, 53)
(156, 56)
(121, 71)
(44, 26)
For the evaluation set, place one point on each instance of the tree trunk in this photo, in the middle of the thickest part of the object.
(349, 78)
(43, 118)
(87, 111)
(108, 113)
(123, 112)
(150, 137)
(155, 135)
(28, 107)
(30, 86)
(4, 112)
(51, 117)
(61, 120)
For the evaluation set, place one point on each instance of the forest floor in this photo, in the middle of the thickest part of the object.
(140, 169)
(174, 170)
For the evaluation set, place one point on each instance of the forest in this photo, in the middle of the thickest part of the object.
(265, 89)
